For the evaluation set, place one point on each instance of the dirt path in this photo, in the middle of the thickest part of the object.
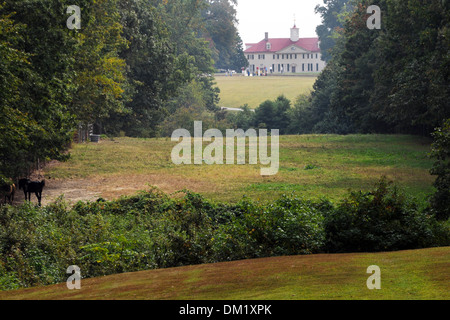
(111, 187)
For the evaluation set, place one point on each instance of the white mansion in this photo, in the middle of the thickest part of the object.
(285, 55)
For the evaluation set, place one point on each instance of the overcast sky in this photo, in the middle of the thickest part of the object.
(276, 17)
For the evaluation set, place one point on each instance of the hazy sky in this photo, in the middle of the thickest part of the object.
(276, 17)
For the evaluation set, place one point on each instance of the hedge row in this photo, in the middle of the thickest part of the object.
(153, 230)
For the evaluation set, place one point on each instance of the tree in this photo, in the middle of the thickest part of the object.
(412, 88)
(238, 59)
(332, 21)
(273, 114)
(165, 55)
(37, 120)
(244, 119)
(100, 72)
(153, 70)
(14, 137)
(355, 79)
(220, 27)
(389, 80)
(186, 25)
(301, 116)
(191, 104)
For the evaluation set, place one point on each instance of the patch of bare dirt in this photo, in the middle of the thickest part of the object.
(112, 187)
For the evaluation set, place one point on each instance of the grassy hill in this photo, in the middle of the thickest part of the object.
(237, 90)
(415, 274)
(313, 166)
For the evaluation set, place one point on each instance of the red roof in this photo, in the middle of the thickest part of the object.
(277, 44)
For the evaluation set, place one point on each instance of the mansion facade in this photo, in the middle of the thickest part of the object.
(284, 55)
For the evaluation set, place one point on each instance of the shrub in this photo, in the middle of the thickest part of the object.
(287, 226)
(152, 230)
(381, 220)
(301, 115)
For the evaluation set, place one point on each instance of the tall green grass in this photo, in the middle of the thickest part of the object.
(312, 165)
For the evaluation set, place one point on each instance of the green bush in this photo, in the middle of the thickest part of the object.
(152, 230)
(287, 226)
(381, 220)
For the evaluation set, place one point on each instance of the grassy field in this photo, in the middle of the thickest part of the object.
(310, 165)
(237, 90)
(405, 275)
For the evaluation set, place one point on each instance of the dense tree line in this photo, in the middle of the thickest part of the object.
(127, 68)
(392, 80)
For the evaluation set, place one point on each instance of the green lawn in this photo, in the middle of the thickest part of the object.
(237, 90)
(405, 275)
(313, 166)
(310, 165)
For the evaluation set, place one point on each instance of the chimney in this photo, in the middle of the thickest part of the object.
(266, 38)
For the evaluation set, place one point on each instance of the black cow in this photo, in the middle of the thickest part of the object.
(29, 187)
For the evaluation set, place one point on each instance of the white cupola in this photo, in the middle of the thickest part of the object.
(295, 35)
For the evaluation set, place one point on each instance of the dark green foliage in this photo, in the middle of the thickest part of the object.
(153, 69)
(221, 30)
(288, 226)
(35, 82)
(152, 230)
(301, 116)
(242, 120)
(331, 23)
(268, 115)
(131, 61)
(440, 200)
(238, 59)
(381, 220)
(393, 80)
(273, 114)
